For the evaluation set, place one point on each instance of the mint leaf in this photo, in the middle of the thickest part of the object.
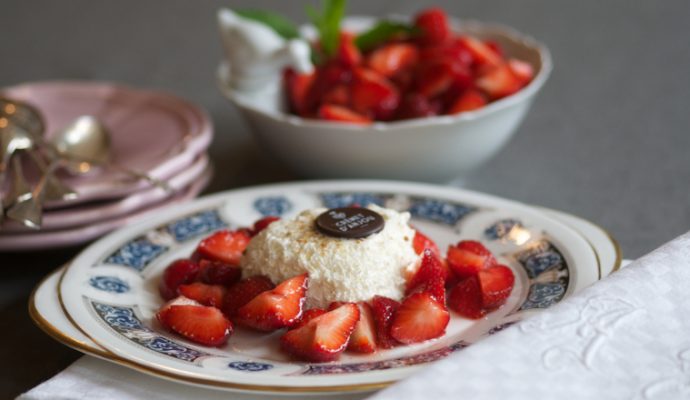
(383, 32)
(327, 23)
(278, 23)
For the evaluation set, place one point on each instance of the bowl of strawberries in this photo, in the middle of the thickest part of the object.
(426, 98)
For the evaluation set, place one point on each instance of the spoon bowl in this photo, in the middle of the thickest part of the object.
(86, 141)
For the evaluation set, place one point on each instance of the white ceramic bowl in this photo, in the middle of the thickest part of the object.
(426, 149)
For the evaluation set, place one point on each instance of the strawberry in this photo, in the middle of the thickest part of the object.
(200, 324)
(452, 50)
(420, 317)
(218, 273)
(327, 77)
(465, 298)
(338, 95)
(522, 70)
(495, 47)
(482, 54)
(383, 309)
(496, 284)
(393, 58)
(262, 223)
(348, 53)
(468, 257)
(498, 82)
(208, 295)
(433, 22)
(226, 246)
(436, 77)
(244, 291)
(179, 272)
(430, 277)
(363, 339)
(297, 87)
(414, 105)
(421, 242)
(323, 338)
(308, 315)
(276, 308)
(333, 112)
(471, 99)
(373, 94)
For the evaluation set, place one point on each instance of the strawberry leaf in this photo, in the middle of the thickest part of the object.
(383, 32)
(327, 23)
(281, 25)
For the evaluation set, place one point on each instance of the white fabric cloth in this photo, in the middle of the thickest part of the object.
(626, 337)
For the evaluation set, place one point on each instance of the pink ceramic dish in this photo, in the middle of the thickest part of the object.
(152, 132)
(83, 234)
(87, 214)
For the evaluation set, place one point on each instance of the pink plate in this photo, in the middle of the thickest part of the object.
(87, 214)
(152, 132)
(83, 234)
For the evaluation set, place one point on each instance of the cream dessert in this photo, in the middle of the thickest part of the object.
(340, 269)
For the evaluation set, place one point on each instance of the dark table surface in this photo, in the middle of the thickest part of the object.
(607, 139)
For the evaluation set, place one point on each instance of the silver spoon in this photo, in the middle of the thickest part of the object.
(30, 211)
(13, 138)
(20, 189)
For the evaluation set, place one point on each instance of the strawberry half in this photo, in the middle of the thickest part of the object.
(482, 54)
(208, 295)
(339, 95)
(363, 339)
(414, 105)
(468, 257)
(499, 82)
(226, 246)
(348, 53)
(261, 224)
(522, 70)
(218, 273)
(420, 317)
(323, 338)
(433, 23)
(373, 94)
(383, 309)
(332, 112)
(393, 58)
(200, 324)
(465, 298)
(179, 272)
(471, 99)
(297, 88)
(243, 292)
(308, 315)
(430, 277)
(422, 242)
(276, 308)
(496, 285)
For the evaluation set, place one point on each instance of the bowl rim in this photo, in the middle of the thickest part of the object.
(520, 96)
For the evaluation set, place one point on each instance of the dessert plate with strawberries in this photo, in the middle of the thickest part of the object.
(320, 286)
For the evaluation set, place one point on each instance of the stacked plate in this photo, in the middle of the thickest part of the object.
(103, 303)
(151, 132)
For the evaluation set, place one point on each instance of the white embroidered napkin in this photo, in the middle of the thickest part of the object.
(626, 337)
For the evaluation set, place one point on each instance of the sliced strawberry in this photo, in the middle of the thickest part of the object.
(392, 58)
(453, 50)
(338, 95)
(383, 309)
(226, 246)
(471, 99)
(466, 298)
(495, 47)
(433, 23)
(277, 308)
(414, 105)
(179, 272)
(430, 277)
(439, 76)
(420, 317)
(261, 224)
(499, 82)
(327, 77)
(422, 241)
(496, 285)
(373, 94)
(363, 339)
(218, 273)
(333, 112)
(297, 87)
(468, 257)
(308, 315)
(323, 338)
(482, 54)
(208, 295)
(243, 292)
(200, 324)
(348, 53)
(522, 70)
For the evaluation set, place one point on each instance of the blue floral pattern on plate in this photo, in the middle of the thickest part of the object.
(250, 366)
(549, 272)
(124, 321)
(445, 212)
(274, 206)
(136, 254)
(110, 284)
(544, 295)
(346, 199)
(501, 228)
(195, 225)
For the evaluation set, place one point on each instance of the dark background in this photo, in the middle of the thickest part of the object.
(607, 139)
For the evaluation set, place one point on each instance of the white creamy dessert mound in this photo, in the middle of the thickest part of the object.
(339, 269)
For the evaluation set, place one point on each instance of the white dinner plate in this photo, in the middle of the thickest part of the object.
(109, 290)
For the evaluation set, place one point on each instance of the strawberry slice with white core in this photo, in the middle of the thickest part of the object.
(420, 317)
(384, 309)
(208, 295)
(496, 285)
(277, 308)
(363, 339)
(332, 112)
(499, 82)
(323, 338)
(483, 55)
(391, 59)
(430, 277)
(465, 298)
(243, 292)
(226, 246)
(200, 324)
(468, 257)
